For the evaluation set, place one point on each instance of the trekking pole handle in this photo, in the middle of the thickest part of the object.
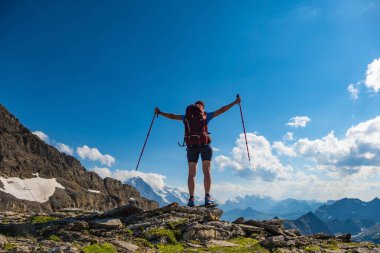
(238, 96)
(157, 111)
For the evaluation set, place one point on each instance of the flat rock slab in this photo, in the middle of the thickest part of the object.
(249, 228)
(274, 242)
(126, 245)
(221, 243)
(124, 211)
(214, 230)
(193, 245)
(77, 226)
(106, 224)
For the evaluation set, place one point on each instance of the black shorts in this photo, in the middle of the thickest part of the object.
(193, 153)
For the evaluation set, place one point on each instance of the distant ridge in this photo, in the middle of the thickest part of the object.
(308, 224)
(268, 207)
(350, 208)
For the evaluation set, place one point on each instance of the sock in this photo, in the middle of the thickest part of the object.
(207, 195)
(191, 197)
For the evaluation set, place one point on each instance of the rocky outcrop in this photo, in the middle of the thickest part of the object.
(24, 156)
(171, 228)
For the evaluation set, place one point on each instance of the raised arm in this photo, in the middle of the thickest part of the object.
(168, 115)
(226, 107)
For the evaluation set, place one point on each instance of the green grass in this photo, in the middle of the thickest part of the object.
(99, 248)
(331, 246)
(255, 248)
(353, 244)
(54, 238)
(245, 245)
(169, 248)
(4, 221)
(311, 248)
(128, 231)
(244, 241)
(175, 224)
(43, 219)
(9, 246)
(142, 242)
(162, 232)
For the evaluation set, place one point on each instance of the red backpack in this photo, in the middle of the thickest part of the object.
(196, 131)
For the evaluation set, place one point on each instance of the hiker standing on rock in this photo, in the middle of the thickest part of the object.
(198, 141)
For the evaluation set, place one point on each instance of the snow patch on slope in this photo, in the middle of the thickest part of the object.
(33, 189)
(93, 191)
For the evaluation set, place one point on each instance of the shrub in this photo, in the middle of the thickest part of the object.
(99, 248)
(54, 238)
(161, 232)
(43, 219)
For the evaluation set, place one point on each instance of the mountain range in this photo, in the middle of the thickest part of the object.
(264, 207)
(349, 208)
(347, 215)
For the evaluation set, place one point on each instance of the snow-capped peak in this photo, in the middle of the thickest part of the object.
(163, 195)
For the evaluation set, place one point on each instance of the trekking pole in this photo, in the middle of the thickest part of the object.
(242, 121)
(146, 139)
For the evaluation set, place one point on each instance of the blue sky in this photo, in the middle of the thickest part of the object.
(90, 73)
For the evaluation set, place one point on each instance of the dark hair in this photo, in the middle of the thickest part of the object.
(199, 102)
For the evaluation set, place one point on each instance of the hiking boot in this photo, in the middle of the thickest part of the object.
(209, 201)
(191, 202)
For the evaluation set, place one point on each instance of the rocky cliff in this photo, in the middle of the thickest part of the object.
(172, 228)
(35, 176)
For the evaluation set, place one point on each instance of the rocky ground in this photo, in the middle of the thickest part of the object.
(171, 228)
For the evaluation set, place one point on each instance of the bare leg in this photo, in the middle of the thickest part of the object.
(191, 177)
(206, 167)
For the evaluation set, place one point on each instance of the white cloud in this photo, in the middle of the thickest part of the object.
(354, 91)
(298, 121)
(282, 149)
(325, 168)
(358, 152)
(215, 149)
(225, 162)
(93, 154)
(155, 180)
(102, 172)
(64, 148)
(289, 136)
(263, 165)
(44, 137)
(372, 81)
